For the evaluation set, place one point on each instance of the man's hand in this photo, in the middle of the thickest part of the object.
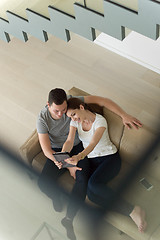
(58, 164)
(73, 170)
(130, 121)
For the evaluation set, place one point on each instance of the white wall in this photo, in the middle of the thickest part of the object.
(135, 47)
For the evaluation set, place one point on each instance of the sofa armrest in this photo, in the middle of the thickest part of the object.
(30, 148)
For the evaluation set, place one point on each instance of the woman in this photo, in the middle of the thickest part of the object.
(103, 156)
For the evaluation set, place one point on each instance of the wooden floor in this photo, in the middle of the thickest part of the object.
(28, 71)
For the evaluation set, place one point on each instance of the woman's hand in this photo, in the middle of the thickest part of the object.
(130, 121)
(73, 170)
(73, 160)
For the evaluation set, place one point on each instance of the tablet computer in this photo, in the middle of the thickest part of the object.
(61, 156)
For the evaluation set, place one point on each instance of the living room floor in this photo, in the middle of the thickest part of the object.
(30, 70)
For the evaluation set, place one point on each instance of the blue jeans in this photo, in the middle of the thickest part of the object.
(103, 170)
(50, 174)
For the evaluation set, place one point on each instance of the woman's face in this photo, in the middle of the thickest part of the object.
(77, 114)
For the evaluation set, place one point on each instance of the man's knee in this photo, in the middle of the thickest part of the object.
(45, 185)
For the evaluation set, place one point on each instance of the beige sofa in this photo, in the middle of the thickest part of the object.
(131, 144)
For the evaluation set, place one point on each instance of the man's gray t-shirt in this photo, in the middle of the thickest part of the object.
(57, 129)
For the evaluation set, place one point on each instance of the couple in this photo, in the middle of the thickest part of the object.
(57, 133)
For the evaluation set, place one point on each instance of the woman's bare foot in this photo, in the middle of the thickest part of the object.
(138, 216)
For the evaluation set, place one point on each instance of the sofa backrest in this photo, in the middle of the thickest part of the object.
(133, 148)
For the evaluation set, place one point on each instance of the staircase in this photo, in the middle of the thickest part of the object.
(84, 17)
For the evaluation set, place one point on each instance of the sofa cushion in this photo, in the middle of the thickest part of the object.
(39, 161)
(115, 126)
(156, 234)
(153, 164)
(30, 148)
(134, 144)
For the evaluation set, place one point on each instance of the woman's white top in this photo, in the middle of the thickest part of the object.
(104, 146)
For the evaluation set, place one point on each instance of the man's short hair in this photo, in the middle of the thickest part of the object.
(57, 96)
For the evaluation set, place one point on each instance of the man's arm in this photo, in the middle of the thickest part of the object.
(48, 152)
(46, 146)
(128, 120)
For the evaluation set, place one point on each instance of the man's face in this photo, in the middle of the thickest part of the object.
(57, 111)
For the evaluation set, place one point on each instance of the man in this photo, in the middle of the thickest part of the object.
(53, 128)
